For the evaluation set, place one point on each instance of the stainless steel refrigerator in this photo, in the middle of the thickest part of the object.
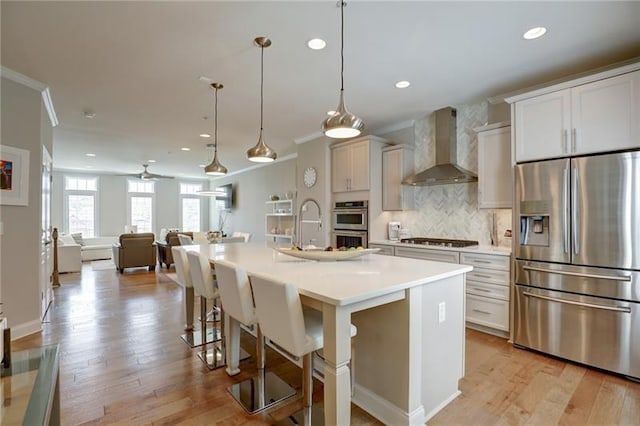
(577, 268)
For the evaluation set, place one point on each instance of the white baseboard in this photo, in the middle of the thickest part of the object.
(25, 329)
(442, 405)
(385, 411)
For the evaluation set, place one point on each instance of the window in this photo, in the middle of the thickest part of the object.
(141, 201)
(190, 207)
(80, 205)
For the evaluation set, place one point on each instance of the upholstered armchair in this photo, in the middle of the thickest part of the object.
(164, 247)
(135, 250)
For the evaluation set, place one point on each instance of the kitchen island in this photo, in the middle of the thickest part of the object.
(409, 351)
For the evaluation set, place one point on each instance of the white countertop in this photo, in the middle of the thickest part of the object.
(336, 283)
(483, 249)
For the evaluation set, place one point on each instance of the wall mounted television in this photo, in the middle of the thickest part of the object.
(225, 201)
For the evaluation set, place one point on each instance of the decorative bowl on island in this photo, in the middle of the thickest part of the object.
(325, 256)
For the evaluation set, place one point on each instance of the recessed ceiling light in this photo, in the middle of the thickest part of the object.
(151, 161)
(205, 135)
(534, 33)
(88, 114)
(88, 154)
(202, 166)
(316, 44)
(331, 112)
(184, 148)
(403, 84)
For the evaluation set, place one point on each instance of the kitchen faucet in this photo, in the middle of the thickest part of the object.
(300, 221)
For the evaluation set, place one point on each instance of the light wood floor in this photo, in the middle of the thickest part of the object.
(122, 362)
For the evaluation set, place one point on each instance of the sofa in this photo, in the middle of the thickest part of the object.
(135, 250)
(97, 248)
(165, 256)
(69, 254)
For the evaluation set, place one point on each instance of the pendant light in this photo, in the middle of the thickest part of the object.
(215, 168)
(261, 153)
(342, 124)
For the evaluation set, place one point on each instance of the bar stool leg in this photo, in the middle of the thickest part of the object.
(203, 336)
(310, 414)
(215, 357)
(264, 390)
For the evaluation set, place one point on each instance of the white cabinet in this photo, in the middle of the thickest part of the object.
(495, 183)
(350, 166)
(541, 126)
(487, 290)
(280, 220)
(384, 248)
(428, 254)
(397, 164)
(599, 116)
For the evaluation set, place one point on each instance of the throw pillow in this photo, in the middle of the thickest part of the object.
(66, 240)
(77, 237)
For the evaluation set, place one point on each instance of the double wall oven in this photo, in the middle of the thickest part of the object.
(350, 223)
(577, 269)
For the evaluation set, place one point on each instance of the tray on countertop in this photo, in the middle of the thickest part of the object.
(326, 256)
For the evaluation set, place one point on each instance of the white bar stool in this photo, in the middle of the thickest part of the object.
(193, 338)
(266, 389)
(203, 283)
(295, 330)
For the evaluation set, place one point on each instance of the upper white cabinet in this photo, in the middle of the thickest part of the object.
(350, 166)
(397, 164)
(541, 125)
(599, 116)
(495, 183)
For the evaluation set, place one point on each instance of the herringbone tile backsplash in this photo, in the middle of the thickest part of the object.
(451, 211)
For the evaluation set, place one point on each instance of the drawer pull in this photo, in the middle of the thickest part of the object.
(482, 312)
(482, 289)
(480, 261)
(482, 276)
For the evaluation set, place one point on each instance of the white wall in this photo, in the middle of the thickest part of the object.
(24, 125)
(112, 203)
(250, 191)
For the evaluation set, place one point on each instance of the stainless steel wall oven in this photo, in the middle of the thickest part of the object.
(350, 222)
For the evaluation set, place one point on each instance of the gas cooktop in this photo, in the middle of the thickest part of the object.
(439, 242)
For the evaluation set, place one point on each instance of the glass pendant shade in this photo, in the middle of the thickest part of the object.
(342, 124)
(215, 168)
(261, 152)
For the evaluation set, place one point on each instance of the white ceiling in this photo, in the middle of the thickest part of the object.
(137, 66)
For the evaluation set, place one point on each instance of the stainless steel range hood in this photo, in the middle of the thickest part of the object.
(446, 170)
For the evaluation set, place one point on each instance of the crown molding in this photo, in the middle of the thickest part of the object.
(394, 127)
(308, 138)
(35, 85)
(257, 166)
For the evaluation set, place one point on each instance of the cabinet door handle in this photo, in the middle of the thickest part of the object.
(482, 312)
(565, 136)
(574, 140)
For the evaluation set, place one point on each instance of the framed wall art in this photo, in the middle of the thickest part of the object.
(14, 176)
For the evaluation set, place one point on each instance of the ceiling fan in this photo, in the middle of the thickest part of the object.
(147, 175)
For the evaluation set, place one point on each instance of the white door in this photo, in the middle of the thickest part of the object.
(606, 114)
(542, 126)
(46, 242)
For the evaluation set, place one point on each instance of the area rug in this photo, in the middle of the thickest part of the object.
(103, 265)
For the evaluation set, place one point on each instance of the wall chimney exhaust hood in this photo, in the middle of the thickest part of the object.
(446, 169)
